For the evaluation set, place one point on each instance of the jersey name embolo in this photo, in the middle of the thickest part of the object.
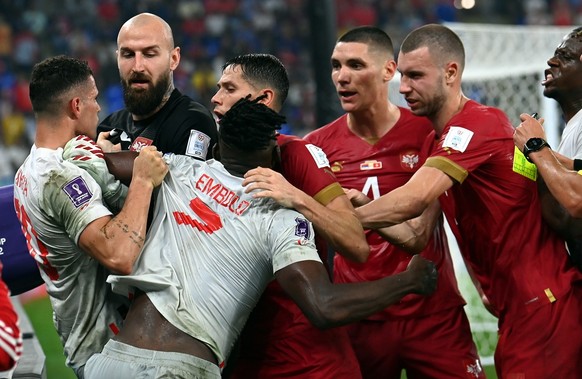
(221, 194)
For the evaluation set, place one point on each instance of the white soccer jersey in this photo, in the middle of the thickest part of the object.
(212, 249)
(571, 142)
(55, 200)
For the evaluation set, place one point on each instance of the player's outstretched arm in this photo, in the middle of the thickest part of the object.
(412, 235)
(117, 241)
(336, 222)
(328, 305)
(406, 202)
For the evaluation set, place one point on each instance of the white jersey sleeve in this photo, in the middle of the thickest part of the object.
(55, 201)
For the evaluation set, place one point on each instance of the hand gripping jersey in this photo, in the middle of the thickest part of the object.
(55, 200)
(376, 169)
(212, 249)
(520, 263)
(181, 126)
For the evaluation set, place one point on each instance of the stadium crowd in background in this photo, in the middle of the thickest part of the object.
(208, 32)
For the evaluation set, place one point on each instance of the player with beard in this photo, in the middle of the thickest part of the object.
(155, 112)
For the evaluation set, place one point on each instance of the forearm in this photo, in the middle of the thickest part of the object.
(393, 208)
(118, 241)
(339, 227)
(564, 185)
(347, 303)
(120, 165)
(328, 305)
(413, 235)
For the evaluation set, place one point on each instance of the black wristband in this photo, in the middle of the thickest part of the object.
(577, 164)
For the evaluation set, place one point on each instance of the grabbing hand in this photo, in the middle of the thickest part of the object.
(529, 128)
(105, 144)
(356, 197)
(424, 275)
(150, 166)
(272, 184)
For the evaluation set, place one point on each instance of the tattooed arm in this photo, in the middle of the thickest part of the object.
(117, 241)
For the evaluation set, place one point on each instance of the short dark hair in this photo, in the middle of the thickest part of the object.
(441, 41)
(53, 77)
(249, 125)
(263, 70)
(372, 36)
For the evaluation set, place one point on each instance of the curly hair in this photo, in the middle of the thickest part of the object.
(250, 125)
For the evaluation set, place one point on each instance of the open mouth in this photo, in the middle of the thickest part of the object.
(548, 78)
(346, 94)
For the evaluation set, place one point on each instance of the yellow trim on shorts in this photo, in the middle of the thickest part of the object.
(326, 195)
(455, 171)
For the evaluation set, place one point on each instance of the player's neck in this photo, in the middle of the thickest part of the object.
(51, 137)
(570, 108)
(373, 123)
(450, 109)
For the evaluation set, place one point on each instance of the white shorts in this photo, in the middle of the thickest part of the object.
(120, 360)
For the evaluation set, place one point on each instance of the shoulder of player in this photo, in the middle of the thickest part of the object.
(482, 118)
(190, 114)
(319, 135)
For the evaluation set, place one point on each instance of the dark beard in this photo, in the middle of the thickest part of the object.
(145, 102)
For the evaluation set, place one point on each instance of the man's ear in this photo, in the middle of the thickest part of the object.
(268, 97)
(216, 152)
(74, 108)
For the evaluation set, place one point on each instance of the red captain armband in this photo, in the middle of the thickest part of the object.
(577, 164)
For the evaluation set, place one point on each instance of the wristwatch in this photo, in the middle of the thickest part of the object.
(533, 145)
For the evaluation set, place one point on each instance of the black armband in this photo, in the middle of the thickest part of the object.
(577, 164)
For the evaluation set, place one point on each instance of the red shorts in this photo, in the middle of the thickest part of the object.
(436, 346)
(308, 354)
(546, 343)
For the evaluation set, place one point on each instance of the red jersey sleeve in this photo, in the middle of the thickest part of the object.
(468, 141)
(306, 167)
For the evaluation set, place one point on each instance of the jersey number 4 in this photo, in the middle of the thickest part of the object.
(210, 223)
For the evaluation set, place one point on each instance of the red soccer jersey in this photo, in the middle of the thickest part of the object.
(278, 340)
(375, 170)
(520, 263)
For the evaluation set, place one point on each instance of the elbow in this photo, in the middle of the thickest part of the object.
(323, 314)
(358, 252)
(120, 266)
(322, 319)
(362, 252)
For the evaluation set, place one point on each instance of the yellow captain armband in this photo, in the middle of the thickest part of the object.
(523, 167)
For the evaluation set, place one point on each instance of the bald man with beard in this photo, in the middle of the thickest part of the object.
(155, 112)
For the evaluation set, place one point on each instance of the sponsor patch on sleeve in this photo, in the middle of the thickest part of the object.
(458, 138)
(318, 155)
(302, 228)
(198, 144)
(77, 191)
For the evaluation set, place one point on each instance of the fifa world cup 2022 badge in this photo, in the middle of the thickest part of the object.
(77, 191)
(302, 230)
